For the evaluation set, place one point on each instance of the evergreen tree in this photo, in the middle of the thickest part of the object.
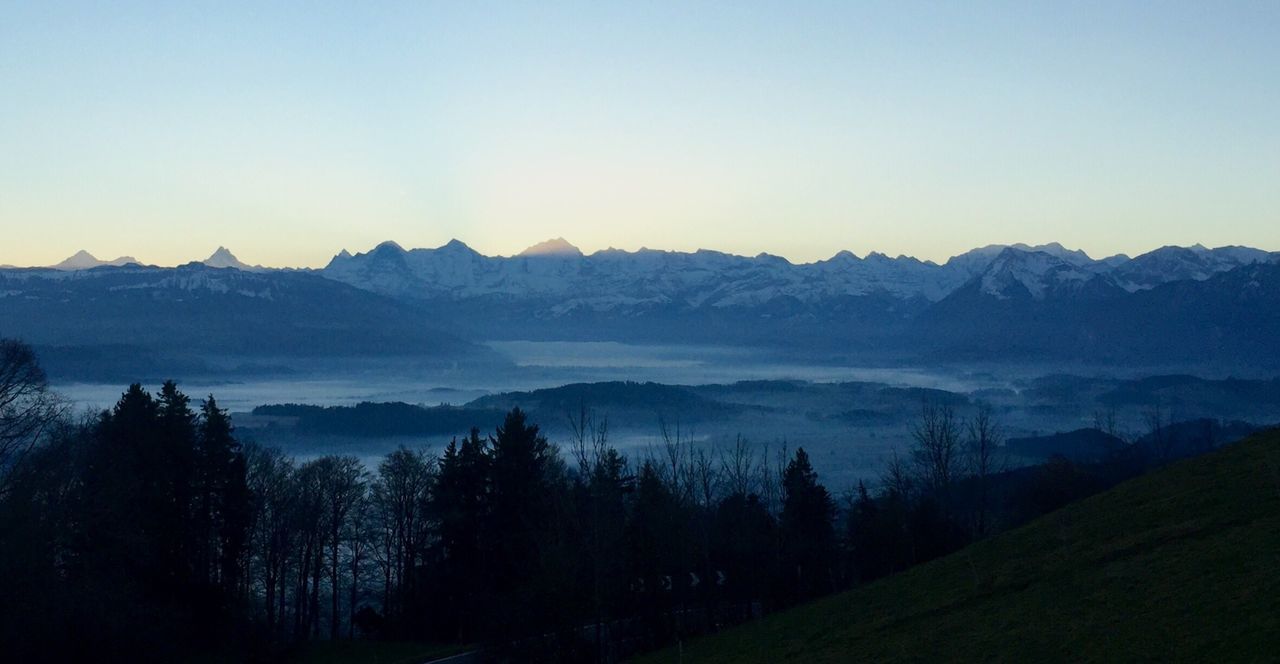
(869, 546)
(522, 504)
(221, 499)
(653, 537)
(744, 546)
(807, 529)
(460, 503)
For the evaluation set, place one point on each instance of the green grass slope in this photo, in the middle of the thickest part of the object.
(1180, 564)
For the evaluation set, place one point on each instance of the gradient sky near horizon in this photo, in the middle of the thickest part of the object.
(288, 131)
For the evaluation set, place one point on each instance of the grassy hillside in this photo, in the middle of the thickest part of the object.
(1181, 564)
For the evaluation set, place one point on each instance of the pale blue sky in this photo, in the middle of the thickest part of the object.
(290, 132)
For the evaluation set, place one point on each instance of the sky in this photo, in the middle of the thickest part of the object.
(290, 131)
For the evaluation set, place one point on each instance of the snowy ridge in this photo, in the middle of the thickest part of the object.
(1037, 274)
(555, 278)
(1197, 263)
(611, 277)
(565, 280)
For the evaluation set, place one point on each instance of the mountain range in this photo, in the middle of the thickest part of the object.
(613, 279)
(83, 260)
(138, 322)
(996, 302)
(1019, 302)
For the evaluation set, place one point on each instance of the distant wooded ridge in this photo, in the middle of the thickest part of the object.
(654, 403)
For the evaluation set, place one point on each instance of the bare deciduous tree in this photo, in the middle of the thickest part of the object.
(771, 476)
(399, 495)
(984, 460)
(938, 448)
(344, 480)
(738, 466)
(897, 479)
(589, 438)
(706, 478)
(677, 466)
(27, 407)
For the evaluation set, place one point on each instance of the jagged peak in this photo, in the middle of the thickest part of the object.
(556, 246)
(221, 253)
(223, 258)
(1035, 274)
(342, 257)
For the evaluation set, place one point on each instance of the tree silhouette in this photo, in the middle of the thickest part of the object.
(27, 407)
(807, 531)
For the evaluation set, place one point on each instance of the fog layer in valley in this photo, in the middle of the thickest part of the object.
(851, 419)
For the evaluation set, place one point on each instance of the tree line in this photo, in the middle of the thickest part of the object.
(151, 532)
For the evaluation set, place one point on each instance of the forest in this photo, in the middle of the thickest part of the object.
(152, 533)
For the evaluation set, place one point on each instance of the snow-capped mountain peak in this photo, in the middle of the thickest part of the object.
(1039, 274)
(1172, 263)
(631, 282)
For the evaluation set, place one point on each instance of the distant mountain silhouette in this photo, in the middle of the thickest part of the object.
(223, 258)
(83, 260)
(200, 311)
(1232, 317)
(1197, 263)
(553, 247)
